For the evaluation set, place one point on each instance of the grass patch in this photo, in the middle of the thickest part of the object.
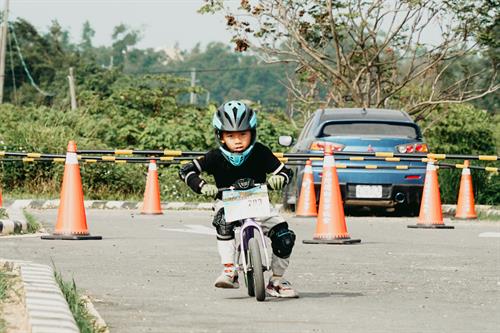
(4, 284)
(483, 216)
(84, 320)
(33, 225)
(3, 213)
(4, 287)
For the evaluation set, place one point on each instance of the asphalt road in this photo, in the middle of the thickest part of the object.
(156, 273)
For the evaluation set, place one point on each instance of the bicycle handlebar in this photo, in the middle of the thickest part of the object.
(231, 188)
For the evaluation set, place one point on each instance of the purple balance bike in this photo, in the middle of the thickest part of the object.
(244, 199)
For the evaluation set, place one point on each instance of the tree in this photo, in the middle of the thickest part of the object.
(123, 40)
(230, 75)
(87, 34)
(370, 53)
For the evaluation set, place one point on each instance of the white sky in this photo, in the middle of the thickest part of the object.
(162, 22)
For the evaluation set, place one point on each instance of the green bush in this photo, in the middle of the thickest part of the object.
(139, 113)
(464, 129)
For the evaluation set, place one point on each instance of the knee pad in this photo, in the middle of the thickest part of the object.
(225, 231)
(282, 240)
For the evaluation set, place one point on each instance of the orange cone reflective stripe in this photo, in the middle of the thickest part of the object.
(466, 209)
(307, 199)
(152, 203)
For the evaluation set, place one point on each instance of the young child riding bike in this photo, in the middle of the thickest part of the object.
(239, 155)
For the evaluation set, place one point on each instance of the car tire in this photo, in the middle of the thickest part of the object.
(415, 209)
(288, 207)
(410, 210)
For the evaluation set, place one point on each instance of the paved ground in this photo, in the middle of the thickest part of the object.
(145, 277)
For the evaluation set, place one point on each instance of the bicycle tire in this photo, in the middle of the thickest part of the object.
(257, 272)
(250, 283)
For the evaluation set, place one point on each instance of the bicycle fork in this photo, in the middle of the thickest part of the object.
(246, 233)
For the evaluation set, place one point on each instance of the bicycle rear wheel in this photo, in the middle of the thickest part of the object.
(257, 272)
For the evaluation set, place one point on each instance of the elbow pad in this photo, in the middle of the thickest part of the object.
(190, 174)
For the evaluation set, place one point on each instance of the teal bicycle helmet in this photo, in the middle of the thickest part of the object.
(235, 116)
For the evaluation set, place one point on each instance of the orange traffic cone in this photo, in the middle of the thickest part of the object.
(465, 205)
(431, 214)
(330, 225)
(1, 199)
(71, 220)
(152, 205)
(307, 198)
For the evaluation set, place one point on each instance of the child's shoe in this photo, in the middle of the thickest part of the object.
(228, 278)
(279, 287)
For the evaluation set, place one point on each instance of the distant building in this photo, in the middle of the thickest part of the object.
(172, 53)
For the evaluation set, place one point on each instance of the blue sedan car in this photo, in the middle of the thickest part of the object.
(364, 130)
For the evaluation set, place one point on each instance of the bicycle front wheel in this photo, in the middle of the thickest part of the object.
(257, 272)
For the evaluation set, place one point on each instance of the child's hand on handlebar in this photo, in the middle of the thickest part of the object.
(209, 190)
(276, 182)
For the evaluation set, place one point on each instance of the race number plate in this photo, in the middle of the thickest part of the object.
(242, 204)
(368, 191)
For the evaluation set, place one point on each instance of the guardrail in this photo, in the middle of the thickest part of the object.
(169, 160)
(168, 152)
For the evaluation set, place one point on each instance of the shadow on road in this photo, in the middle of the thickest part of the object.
(378, 212)
(328, 294)
(304, 295)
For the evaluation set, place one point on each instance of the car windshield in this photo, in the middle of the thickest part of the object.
(369, 129)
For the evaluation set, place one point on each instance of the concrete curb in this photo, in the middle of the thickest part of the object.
(101, 204)
(48, 310)
(486, 209)
(133, 205)
(16, 223)
(12, 227)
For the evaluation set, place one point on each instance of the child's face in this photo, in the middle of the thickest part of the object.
(237, 142)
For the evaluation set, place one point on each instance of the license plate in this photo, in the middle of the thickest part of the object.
(368, 191)
(239, 205)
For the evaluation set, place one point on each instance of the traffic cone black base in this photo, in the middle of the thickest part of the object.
(431, 226)
(151, 213)
(71, 237)
(332, 241)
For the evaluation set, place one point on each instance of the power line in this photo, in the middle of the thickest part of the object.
(26, 70)
(210, 70)
(12, 69)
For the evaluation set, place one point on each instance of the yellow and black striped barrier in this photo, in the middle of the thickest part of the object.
(169, 160)
(168, 152)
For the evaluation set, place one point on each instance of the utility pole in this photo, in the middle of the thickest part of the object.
(72, 92)
(208, 97)
(3, 47)
(192, 96)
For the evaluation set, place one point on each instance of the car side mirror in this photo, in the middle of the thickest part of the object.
(285, 140)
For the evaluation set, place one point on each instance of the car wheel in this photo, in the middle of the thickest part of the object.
(286, 205)
(415, 209)
(289, 207)
(408, 210)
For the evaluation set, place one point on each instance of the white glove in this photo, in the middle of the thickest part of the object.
(276, 182)
(209, 190)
